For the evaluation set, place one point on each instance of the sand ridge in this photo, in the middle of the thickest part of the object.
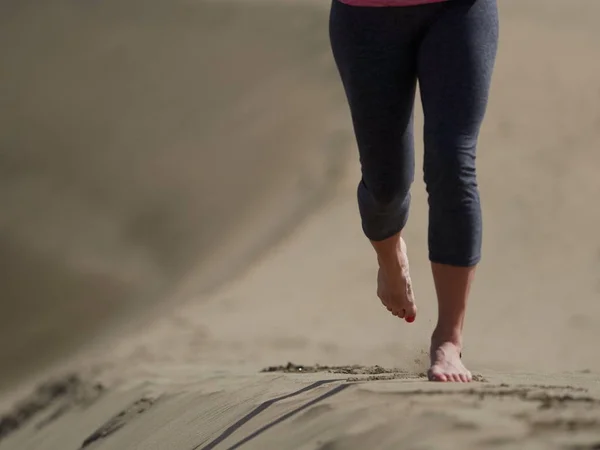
(315, 411)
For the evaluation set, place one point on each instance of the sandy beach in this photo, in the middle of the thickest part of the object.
(183, 263)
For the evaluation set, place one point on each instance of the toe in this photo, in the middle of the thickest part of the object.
(436, 375)
(411, 311)
(456, 378)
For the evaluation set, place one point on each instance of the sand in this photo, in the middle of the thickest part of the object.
(256, 325)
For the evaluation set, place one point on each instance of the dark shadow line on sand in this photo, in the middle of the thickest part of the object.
(260, 408)
(328, 394)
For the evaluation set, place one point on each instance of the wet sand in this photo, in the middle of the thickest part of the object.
(206, 367)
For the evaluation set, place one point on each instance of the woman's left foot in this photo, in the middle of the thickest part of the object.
(446, 364)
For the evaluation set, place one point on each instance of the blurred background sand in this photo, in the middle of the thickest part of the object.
(159, 152)
(137, 139)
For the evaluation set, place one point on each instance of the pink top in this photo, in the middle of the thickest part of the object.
(388, 2)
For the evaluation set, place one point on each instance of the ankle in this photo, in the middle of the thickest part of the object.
(389, 262)
(442, 335)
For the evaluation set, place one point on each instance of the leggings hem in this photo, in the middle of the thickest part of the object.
(383, 236)
(455, 262)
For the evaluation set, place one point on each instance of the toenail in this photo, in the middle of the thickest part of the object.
(410, 319)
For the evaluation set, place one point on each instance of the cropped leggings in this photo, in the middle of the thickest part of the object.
(380, 53)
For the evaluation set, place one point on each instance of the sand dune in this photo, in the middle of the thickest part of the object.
(140, 138)
(187, 374)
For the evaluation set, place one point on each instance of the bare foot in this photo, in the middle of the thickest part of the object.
(394, 287)
(446, 364)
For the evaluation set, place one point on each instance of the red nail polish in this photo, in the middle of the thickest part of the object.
(410, 319)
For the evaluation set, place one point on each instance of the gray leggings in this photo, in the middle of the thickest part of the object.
(381, 52)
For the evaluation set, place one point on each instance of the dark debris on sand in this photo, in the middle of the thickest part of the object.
(546, 397)
(61, 394)
(376, 373)
(119, 421)
(348, 370)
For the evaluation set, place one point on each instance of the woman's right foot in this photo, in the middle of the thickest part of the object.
(446, 363)
(394, 287)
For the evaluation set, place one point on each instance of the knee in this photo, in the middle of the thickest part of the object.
(450, 172)
(451, 185)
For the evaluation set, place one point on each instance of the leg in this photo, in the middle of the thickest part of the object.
(456, 62)
(377, 62)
